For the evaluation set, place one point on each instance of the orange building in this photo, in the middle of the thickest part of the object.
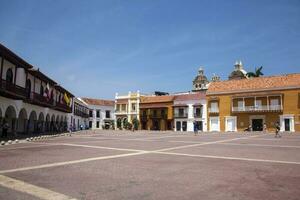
(156, 112)
(236, 105)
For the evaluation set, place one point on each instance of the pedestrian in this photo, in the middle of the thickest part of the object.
(265, 128)
(5, 128)
(195, 128)
(70, 129)
(277, 129)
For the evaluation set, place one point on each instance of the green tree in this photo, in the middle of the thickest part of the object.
(257, 73)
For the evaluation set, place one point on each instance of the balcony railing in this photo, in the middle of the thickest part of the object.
(81, 113)
(13, 90)
(41, 100)
(197, 115)
(159, 116)
(213, 110)
(63, 107)
(180, 115)
(257, 108)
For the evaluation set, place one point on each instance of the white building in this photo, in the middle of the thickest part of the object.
(30, 102)
(127, 108)
(190, 108)
(101, 113)
(80, 115)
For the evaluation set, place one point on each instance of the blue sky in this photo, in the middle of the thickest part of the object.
(97, 48)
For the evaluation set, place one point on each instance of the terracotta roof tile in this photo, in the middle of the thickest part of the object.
(287, 81)
(156, 99)
(99, 102)
(192, 96)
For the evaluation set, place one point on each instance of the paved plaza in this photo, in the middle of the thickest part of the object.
(152, 165)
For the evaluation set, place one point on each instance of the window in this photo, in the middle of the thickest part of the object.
(9, 76)
(42, 90)
(107, 114)
(133, 107)
(274, 102)
(181, 111)
(154, 113)
(28, 88)
(91, 113)
(98, 124)
(123, 107)
(90, 124)
(98, 113)
(198, 112)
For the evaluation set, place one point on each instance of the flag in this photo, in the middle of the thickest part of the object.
(67, 99)
(47, 91)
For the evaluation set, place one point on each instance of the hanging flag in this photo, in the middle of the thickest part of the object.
(47, 91)
(67, 99)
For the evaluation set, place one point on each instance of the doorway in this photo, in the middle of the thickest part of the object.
(287, 126)
(257, 124)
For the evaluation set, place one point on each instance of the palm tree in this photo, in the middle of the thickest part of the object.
(257, 73)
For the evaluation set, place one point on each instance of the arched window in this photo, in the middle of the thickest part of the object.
(9, 76)
(28, 87)
(42, 90)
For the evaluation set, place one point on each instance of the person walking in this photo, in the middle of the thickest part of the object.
(277, 129)
(195, 128)
(70, 129)
(265, 128)
(5, 128)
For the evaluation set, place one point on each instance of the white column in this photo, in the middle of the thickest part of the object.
(281, 106)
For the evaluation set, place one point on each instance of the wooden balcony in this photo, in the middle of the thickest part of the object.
(63, 107)
(12, 91)
(180, 115)
(268, 103)
(263, 108)
(81, 114)
(39, 99)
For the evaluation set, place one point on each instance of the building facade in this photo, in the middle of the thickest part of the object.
(236, 105)
(156, 113)
(127, 108)
(30, 101)
(80, 115)
(189, 111)
(101, 113)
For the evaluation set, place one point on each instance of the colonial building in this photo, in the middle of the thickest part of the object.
(200, 83)
(235, 105)
(156, 112)
(101, 113)
(238, 72)
(80, 115)
(127, 108)
(30, 101)
(190, 109)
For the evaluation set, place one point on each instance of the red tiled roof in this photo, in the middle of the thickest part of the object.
(287, 81)
(122, 101)
(192, 96)
(99, 102)
(156, 99)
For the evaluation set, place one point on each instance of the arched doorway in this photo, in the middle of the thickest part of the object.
(10, 118)
(32, 122)
(61, 124)
(52, 123)
(22, 121)
(57, 123)
(47, 124)
(41, 122)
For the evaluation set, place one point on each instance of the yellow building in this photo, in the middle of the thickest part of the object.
(156, 113)
(236, 105)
